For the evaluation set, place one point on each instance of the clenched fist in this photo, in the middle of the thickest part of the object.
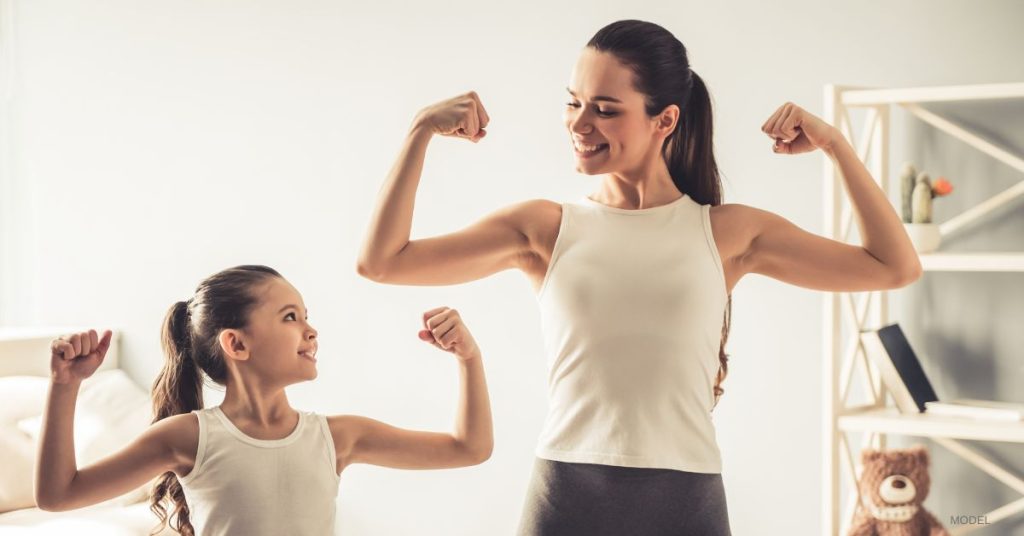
(796, 130)
(443, 327)
(463, 116)
(75, 357)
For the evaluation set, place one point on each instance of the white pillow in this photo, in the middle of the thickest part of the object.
(23, 396)
(110, 412)
(16, 472)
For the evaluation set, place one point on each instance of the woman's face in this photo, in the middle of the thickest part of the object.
(282, 343)
(604, 110)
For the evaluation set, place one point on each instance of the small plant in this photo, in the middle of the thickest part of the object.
(917, 191)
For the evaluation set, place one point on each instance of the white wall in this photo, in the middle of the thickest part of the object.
(154, 143)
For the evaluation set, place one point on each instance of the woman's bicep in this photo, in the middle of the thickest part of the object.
(783, 251)
(495, 243)
(146, 457)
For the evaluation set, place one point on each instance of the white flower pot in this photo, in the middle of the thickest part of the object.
(924, 236)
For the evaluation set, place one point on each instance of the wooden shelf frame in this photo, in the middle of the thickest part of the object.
(870, 310)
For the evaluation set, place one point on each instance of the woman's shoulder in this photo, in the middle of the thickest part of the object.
(735, 226)
(538, 220)
(534, 208)
(535, 213)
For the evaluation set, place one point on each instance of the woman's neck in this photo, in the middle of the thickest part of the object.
(621, 191)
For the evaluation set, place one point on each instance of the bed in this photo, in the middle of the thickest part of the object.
(111, 411)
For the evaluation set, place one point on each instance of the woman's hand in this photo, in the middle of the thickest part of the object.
(444, 329)
(461, 117)
(75, 357)
(796, 131)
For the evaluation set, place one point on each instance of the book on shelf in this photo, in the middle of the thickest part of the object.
(977, 409)
(899, 367)
(902, 373)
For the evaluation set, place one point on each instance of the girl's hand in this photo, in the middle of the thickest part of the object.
(461, 117)
(445, 330)
(796, 130)
(76, 357)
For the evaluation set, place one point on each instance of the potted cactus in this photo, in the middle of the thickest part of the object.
(918, 191)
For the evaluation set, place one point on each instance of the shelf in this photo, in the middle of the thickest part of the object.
(872, 97)
(890, 421)
(973, 262)
(877, 420)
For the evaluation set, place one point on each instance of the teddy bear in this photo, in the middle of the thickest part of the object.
(893, 486)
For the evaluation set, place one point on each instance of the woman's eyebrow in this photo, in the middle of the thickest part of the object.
(598, 98)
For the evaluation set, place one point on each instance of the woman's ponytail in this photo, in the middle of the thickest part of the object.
(691, 162)
(691, 152)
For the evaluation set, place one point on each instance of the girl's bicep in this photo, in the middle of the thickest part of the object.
(365, 440)
(147, 456)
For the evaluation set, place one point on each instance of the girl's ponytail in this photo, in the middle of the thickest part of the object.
(178, 389)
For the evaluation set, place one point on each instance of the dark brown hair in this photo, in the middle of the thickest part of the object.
(191, 348)
(662, 73)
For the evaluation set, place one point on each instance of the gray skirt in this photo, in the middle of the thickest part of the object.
(566, 499)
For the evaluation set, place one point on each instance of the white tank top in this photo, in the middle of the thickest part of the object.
(632, 308)
(243, 485)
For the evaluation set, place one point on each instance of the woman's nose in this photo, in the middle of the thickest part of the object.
(577, 124)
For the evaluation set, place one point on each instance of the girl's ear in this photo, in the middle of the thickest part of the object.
(232, 344)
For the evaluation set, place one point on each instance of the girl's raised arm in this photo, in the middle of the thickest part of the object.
(363, 440)
(499, 241)
(59, 484)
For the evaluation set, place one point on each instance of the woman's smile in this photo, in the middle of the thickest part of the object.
(587, 151)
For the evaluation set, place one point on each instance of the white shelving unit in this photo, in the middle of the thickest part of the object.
(870, 310)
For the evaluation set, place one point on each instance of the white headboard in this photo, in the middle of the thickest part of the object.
(26, 351)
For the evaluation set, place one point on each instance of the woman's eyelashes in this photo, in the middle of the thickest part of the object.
(599, 111)
(293, 316)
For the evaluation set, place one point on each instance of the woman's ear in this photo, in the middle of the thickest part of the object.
(667, 121)
(233, 345)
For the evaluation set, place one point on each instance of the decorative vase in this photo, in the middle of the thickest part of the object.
(924, 236)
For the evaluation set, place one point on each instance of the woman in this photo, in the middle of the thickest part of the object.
(634, 281)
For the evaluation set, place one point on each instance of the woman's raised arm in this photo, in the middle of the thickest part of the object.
(499, 241)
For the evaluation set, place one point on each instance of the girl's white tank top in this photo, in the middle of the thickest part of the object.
(632, 308)
(243, 485)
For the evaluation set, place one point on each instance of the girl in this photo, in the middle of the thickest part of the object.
(634, 282)
(253, 465)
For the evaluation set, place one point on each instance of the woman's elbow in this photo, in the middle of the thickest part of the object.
(914, 272)
(370, 270)
(906, 276)
(479, 453)
(47, 503)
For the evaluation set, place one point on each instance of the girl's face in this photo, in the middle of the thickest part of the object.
(282, 343)
(604, 110)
